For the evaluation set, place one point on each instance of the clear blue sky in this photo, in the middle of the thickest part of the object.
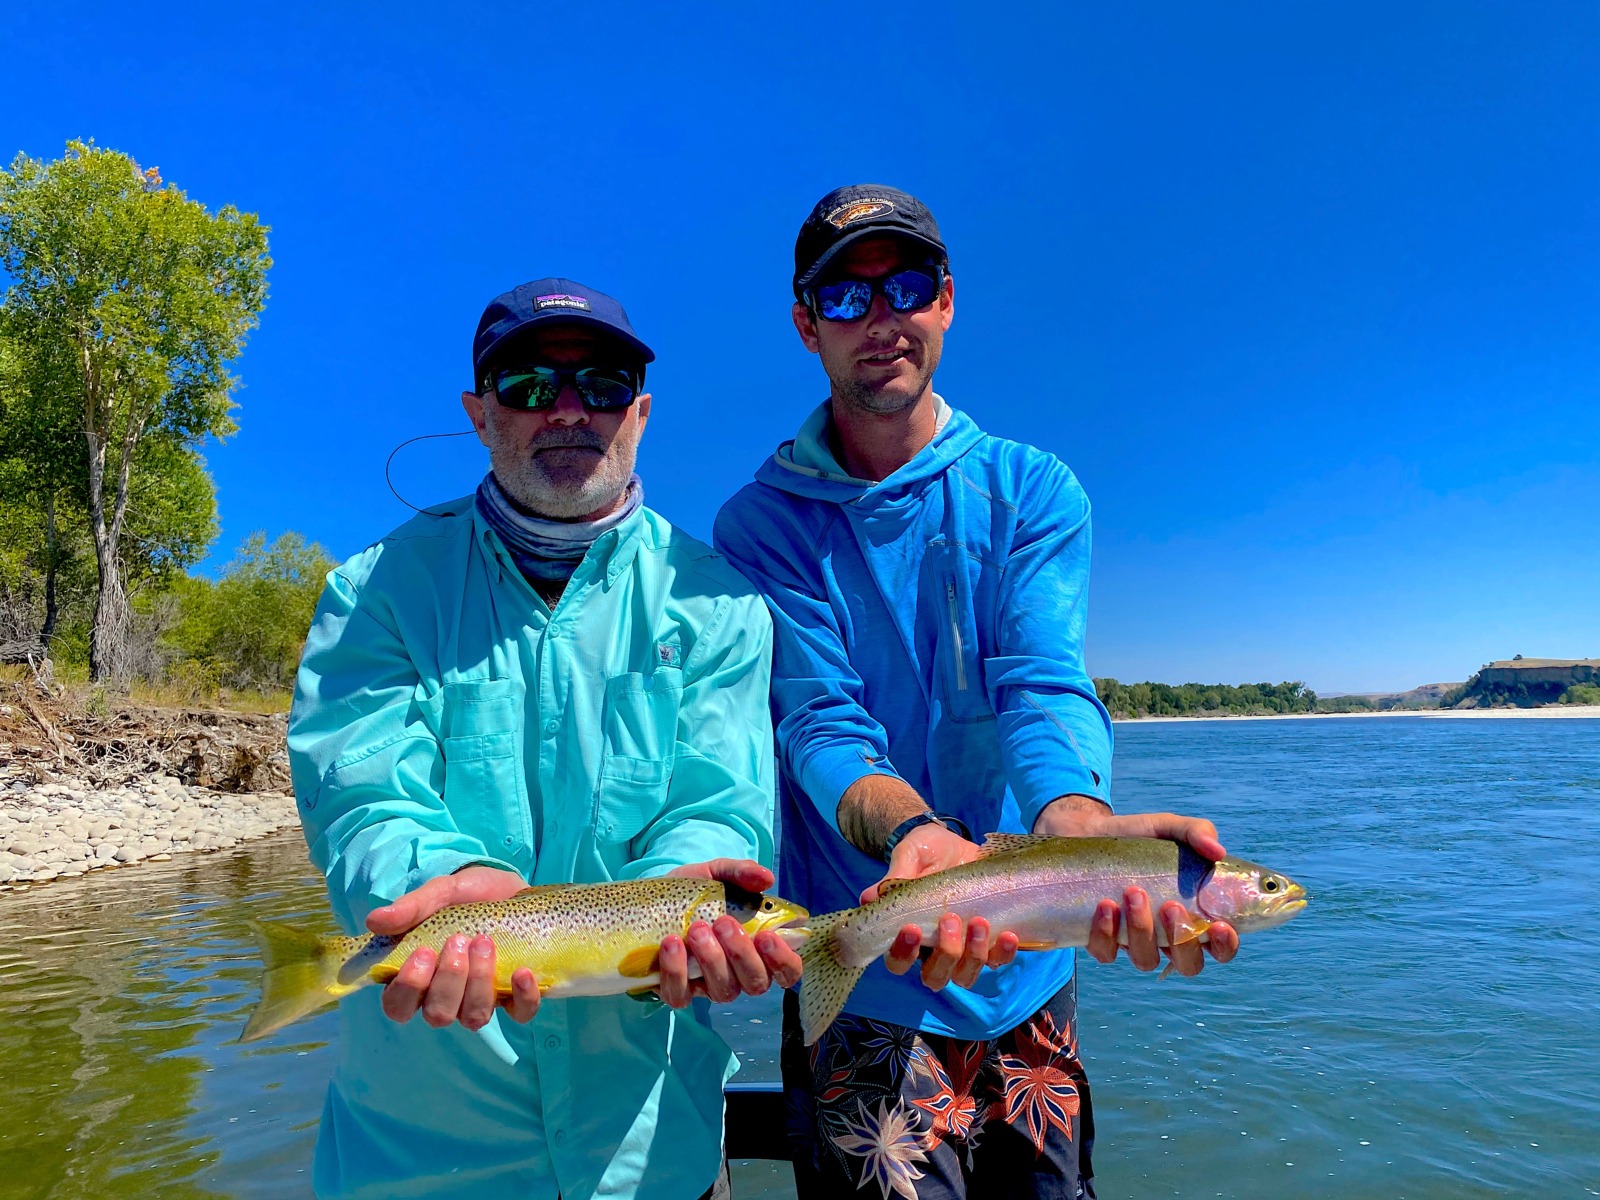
(1308, 296)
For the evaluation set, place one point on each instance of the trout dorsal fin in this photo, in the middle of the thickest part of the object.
(889, 885)
(999, 843)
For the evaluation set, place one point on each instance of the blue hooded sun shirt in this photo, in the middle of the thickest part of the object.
(929, 626)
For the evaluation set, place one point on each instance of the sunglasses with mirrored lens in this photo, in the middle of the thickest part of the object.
(535, 388)
(849, 299)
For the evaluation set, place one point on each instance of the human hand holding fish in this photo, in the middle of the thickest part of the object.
(1085, 816)
(1046, 890)
(954, 956)
(459, 983)
(731, 962)
(576, 939)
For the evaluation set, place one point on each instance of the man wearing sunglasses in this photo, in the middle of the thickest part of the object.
(543, 683)
(928, 586)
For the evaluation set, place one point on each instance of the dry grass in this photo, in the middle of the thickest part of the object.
(70, 729)
(164, 695)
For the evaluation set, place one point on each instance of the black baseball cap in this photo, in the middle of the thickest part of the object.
(860, 210)
(549, 302)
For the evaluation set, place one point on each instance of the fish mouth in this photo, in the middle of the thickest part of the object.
(794, 931)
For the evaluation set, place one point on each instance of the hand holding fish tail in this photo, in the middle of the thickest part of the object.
(1133, 920)
(955, 956)
(731, 962)
(457, 984)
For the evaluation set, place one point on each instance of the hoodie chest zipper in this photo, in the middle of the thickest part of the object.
(955, 634)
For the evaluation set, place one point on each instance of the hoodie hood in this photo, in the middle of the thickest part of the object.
(806, 466)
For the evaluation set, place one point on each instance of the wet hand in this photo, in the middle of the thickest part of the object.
(955, 955)
(456, 983)
(1144, 952)
(1080, 816)
(731, 962)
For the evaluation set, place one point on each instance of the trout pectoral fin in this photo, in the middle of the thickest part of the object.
(636, 964)
(1189, 928)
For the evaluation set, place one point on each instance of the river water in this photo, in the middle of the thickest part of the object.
(1429, 1027)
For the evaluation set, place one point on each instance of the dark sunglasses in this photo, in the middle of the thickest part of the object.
(535, 388)
(849, 299)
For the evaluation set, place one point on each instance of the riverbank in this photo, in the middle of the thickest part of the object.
(1543, 712)
(67, 827)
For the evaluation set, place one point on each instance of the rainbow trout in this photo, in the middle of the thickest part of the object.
(578, 939)
(1043, 889)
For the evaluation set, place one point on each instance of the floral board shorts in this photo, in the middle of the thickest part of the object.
(926, 1117)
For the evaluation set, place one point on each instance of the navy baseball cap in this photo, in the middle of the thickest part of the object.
(851, 213)
(550, 302)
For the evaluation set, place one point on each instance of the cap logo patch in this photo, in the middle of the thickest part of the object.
(559, 300)
(858, 210)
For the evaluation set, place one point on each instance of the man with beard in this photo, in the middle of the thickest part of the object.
(928, 585)
(542, 683)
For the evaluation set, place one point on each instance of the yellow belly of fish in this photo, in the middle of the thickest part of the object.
(564, 966)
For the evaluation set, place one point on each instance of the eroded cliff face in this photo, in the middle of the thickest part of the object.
(1562, 672)
(1528, 681)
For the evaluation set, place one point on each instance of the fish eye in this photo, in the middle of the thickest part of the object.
(1269, 884)
(766, 905)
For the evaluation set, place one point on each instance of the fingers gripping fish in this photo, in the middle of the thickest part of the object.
(1045, 890)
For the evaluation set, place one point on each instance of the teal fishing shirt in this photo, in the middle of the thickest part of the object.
(444, 716)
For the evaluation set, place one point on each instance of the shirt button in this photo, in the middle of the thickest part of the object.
(552, 726)
(555, 631)
(561, 1137)
(552, 1043)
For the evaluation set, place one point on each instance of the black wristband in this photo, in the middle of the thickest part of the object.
(954, 824)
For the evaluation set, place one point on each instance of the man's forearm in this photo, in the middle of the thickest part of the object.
(872, 806)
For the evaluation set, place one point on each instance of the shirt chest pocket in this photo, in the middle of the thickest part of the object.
(640, 729)
(482, 744)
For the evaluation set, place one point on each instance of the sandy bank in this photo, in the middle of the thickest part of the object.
(1567, 711)
(65, 828)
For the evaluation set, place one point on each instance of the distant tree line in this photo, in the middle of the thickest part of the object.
(1125, 700)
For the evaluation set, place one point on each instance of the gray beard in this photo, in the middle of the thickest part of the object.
(549, 485)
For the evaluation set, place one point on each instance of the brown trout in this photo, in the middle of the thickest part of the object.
(1043, 889)
(578, 939)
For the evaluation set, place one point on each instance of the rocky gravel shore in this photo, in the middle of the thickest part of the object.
(65, 828)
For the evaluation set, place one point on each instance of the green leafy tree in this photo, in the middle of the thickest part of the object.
(131, 301)
(41, 473)
(247, 629)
